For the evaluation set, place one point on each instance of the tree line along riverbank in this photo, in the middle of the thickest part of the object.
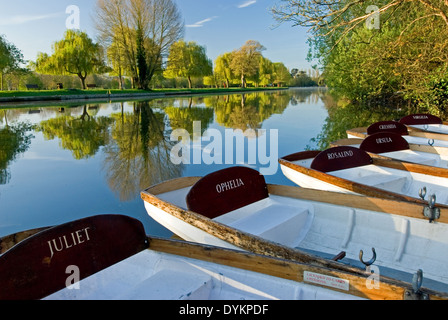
(75, 94)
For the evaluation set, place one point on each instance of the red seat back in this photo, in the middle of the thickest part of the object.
(338, 158)
(420, 118)
(388, 126)
(37, 266)
(384, 142)
(226, 190)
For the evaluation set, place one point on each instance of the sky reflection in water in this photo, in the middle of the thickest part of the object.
(61, 163)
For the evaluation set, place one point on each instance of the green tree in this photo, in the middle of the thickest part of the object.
(75, 54)
(115, 57)
(245, 60)
(222, 69)
(142, 65)
(301, 79)
(400, 58)
(188, 60)
(266, 72)
(10, 58)
(144, 29)
(281, 74)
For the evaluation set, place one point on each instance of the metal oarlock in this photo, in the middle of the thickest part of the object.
(422, 193)
(431, 212)
(371, 261)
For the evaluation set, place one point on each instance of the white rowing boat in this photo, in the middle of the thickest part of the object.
(426, 123)
(393, 146)
(235, 208)
(352, 170)
(419, 129)
(109, 257)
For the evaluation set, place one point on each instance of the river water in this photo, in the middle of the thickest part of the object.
(64, 162)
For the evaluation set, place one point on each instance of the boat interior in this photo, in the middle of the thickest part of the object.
(393, 145)
(326, 230)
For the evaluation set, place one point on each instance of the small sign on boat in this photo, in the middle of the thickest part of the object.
(329, 281)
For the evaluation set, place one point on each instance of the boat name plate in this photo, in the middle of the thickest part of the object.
(325, 280)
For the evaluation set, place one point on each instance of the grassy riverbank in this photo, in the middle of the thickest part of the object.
(67, 94)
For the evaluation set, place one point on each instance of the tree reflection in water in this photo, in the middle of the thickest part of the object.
(83, 135)
(14, 140)
(138, 154)
(344, 117)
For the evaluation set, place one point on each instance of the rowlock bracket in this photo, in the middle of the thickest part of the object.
(415, 293)
(430, 212)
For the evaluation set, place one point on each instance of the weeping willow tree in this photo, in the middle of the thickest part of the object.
(75, 54)
(188, 60)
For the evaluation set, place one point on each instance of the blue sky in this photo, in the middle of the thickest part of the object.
(220, 26)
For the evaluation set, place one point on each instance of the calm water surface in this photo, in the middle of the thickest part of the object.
(64, 162)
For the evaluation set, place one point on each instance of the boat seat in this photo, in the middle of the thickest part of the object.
(381, 180)
(168, 284)
(276, 222)
(387, 182)
(410, 157)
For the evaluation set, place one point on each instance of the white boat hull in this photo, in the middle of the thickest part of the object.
(183, 229)
(305, 181)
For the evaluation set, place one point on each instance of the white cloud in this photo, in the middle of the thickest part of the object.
(21, 19)
(200, 24)
(247, 3)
